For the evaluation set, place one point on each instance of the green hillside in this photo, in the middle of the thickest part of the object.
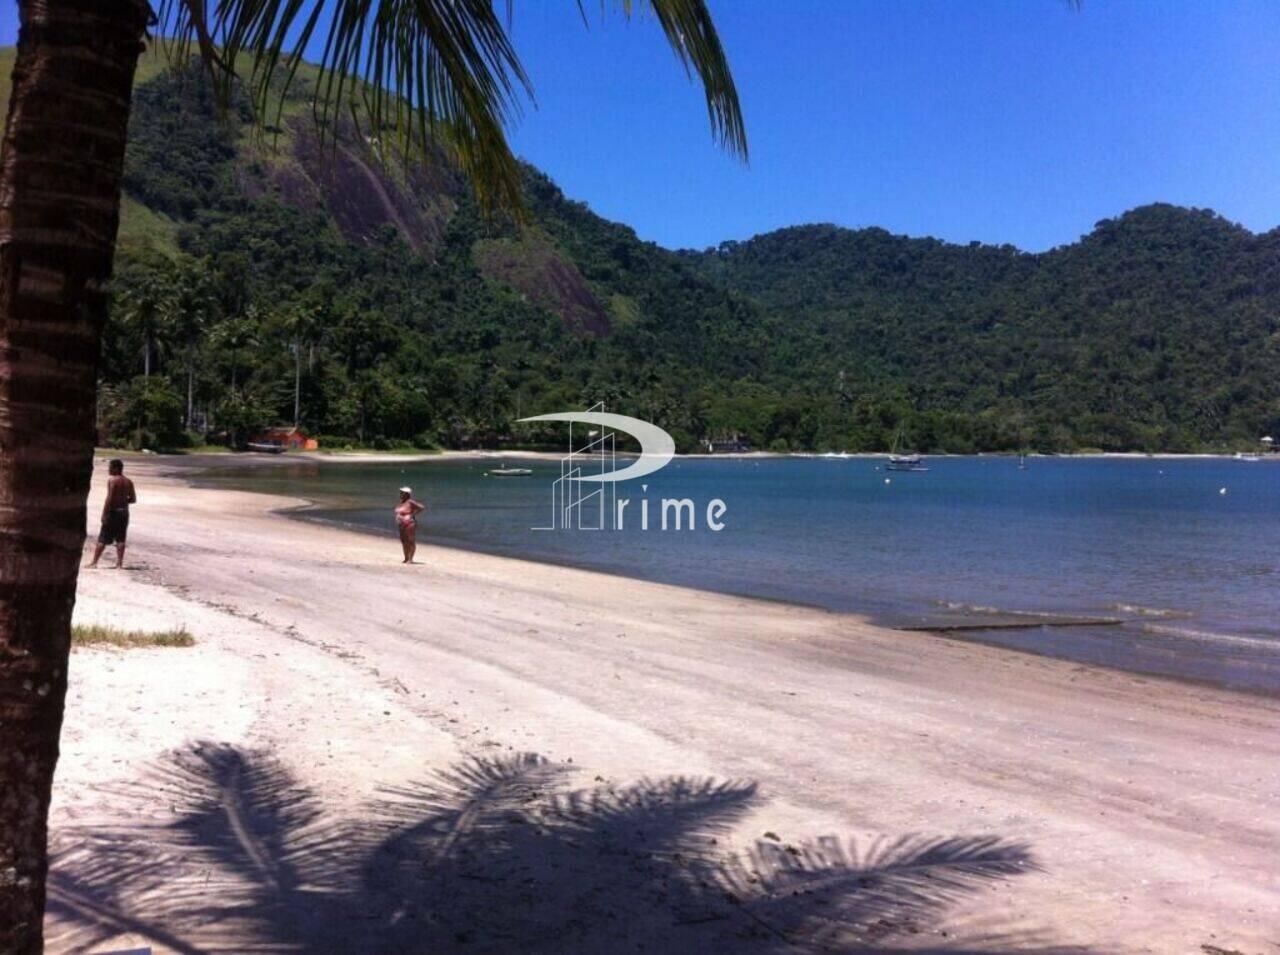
(251, 263)
(418, 321)
(1158, 330)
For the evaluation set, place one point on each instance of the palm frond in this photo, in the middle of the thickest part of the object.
(692, 35)
(422, 71)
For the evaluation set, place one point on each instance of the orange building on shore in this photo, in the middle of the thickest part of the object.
(290, 439)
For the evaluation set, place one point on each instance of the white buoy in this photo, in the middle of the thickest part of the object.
(1222, 490)
(886, 480)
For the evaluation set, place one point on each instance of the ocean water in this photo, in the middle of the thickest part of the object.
(1193, 572)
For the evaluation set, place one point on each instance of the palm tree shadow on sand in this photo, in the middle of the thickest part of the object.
(498, 855)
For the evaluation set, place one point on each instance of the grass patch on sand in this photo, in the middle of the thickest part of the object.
(96, 635)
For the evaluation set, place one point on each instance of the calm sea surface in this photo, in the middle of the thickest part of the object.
(1194, 572)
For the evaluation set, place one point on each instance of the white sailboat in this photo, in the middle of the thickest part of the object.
(903, 462)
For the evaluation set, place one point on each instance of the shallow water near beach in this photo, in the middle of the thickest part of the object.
(1192, 573)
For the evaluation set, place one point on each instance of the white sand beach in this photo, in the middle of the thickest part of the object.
(483, 754)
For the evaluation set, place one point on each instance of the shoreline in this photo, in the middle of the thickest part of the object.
(904, 617)
(232, 458)
(1143, 808)
(298, 512)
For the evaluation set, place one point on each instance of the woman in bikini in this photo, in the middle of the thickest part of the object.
(407, 523)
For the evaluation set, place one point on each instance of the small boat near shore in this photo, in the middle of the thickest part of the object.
(509, 472)
(265, 448)
(903, 462)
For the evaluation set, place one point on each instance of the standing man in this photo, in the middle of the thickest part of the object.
(115, 513)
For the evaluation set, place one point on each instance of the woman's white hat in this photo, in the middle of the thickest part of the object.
(406, 490)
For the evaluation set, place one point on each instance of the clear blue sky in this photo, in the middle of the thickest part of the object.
(999, 120)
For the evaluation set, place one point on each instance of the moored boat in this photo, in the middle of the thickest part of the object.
(903, 462)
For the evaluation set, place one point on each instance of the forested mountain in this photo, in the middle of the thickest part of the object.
(266, 276)
(1158, 330)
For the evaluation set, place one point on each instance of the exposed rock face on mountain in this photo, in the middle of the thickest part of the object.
(535, 268)
(363, 193)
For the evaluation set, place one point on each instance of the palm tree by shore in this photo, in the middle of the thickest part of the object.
(60, 172)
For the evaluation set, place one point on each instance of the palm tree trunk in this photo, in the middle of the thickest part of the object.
(297, 383)
(191, 385)
(63, 152)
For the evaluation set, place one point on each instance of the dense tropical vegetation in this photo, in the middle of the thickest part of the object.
(1159, 330)
(374, 305)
